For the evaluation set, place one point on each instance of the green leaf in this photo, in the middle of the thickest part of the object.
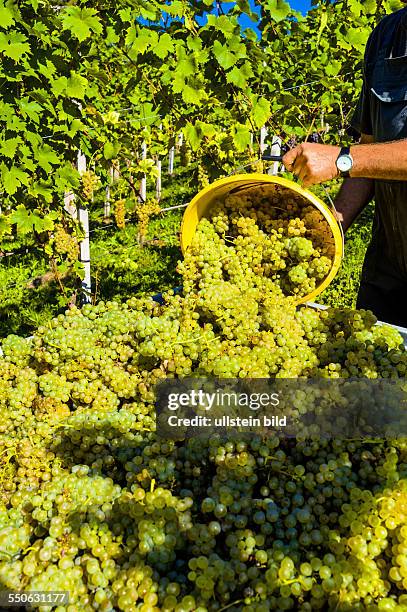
(66, 178)
(5, 226)
(30, 109)
(125, 14)
(28, 221)
(13, 178)
(111, 149)
(73, 87)
(164, 46)
(238, 76)
(261, 110)
(332, 68)
(190, 95)
(140, 39)
(193, 136)
(47, 157)
(76, 86)
(277, 9)
(186, 67)
(47, 69)
(6, 15)
(241, 137)
(148, 11)
(176, 8)
(225, 58)
(223, 23)
(14, 45)
(322, 26)
(8, 147)
(81, 22)
(41, 189)
(58, 87)
(111, 36)
(357, 38)
(206, 129)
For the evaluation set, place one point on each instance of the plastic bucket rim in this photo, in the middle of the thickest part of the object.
(254, 179)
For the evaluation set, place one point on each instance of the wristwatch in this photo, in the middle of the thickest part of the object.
(344, 162)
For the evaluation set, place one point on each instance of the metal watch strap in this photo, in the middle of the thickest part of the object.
(344, 151)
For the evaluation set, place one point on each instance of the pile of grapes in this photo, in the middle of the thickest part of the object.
(94, 502)
(272, 235)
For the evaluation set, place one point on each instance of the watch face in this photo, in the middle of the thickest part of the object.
(344, 163)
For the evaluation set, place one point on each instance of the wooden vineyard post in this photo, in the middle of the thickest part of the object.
(180, 140)
(143, 184)
(84, 246)
(275, 150)
(106, 208)
(158, 181)
(263, 136)
(171, 161)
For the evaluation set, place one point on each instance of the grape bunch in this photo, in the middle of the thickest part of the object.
(90, 183)
(65, 243)
(119, 210)
(144, 212)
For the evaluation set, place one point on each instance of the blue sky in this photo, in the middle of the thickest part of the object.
(299, 5)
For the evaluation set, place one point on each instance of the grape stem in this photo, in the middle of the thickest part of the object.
(231, 604)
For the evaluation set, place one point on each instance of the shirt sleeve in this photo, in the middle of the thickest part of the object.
(362, 120)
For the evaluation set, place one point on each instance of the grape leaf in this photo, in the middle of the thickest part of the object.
(164, 46)
(28, 221)
(47, 157)
(225, 58)
(8, 147)
(193, 135)
(110, 149)
(76, 86)
(6, 15)
(14, 45)
(29, 109)
(239, 76)
(81, 22)
(223, 23)
(261, 110)
(241, 137)
(277, 9)
(12, 178)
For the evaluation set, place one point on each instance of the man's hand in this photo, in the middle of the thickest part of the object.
(312, 163)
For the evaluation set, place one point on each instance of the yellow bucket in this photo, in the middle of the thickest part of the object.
(202, 202)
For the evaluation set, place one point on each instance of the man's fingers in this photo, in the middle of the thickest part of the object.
(290, 157)
(302, 173)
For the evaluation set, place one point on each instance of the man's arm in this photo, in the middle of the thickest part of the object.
(316, 163)
(354, 194)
